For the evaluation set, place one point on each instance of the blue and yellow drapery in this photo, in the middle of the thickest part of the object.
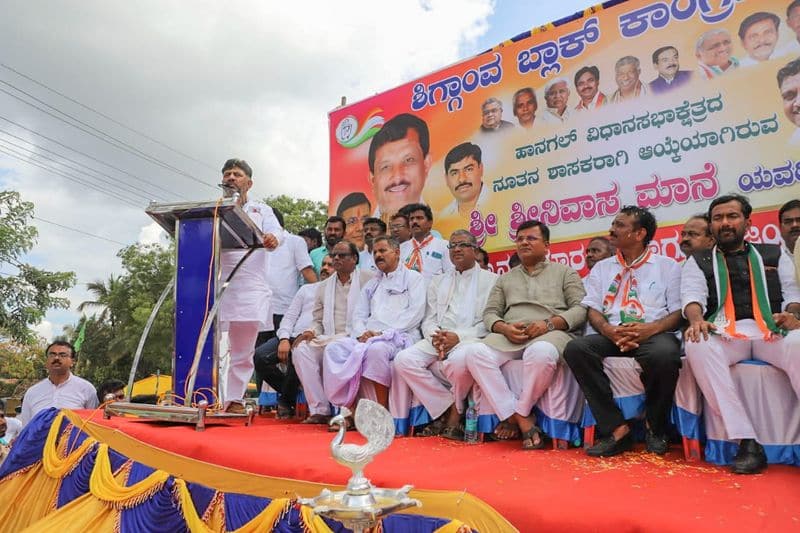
(60, 477)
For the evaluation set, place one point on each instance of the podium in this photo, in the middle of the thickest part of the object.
(202, 230)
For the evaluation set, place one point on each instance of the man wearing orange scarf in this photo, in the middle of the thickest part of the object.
(742, 301)
(424, 252)
(634, 305)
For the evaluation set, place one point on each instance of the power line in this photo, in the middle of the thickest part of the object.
(100, 135)
(107, 117)
(76, 230)
(148, 195)
(23, 158)
(84, 154)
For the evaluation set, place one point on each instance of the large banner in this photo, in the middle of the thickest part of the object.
(664, 105)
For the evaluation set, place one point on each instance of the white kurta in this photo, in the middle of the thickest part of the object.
(298, 317)
(455, 303)
(247, 298)
(394, 301)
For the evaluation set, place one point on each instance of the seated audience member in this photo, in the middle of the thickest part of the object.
(742, 301)
(386, 320)
(61, 388)
(531, 312)
(331, 319)
(696, 235)
(425, 252)
(114, 387)
(454, 316)
(399, 228)
(599, 248)
(277, 351)
(634, 305)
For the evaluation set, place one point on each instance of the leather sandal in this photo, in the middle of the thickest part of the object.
(529, 439)
(432, 429)
(284, 412)
(453, 433)
(316, 419)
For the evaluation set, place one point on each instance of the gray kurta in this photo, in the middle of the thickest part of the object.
(552, 289)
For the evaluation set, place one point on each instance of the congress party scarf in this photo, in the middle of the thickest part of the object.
(414, 261)
(631, 309)
(724, 317)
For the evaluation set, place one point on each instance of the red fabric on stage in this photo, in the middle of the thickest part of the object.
(542, 490)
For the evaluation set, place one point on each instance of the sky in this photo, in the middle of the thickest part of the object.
(107, 105)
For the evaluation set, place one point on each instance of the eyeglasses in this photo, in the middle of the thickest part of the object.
(61, 355)
(339, 255)
(459, 245)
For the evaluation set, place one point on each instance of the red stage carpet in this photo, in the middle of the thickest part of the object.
(536, 491)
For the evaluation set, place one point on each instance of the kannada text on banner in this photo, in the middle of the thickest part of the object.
(665, 105)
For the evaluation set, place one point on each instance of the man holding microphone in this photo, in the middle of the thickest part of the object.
(245, 307)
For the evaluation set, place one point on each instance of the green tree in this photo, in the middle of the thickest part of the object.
(126, 301)
(25, 296)
(21, 365)
(299, 213)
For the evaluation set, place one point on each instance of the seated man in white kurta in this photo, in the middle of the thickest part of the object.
(454, 317)
(332, 319)
(245, 309)
(386, 320)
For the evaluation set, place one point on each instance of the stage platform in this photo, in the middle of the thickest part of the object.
(543, 490)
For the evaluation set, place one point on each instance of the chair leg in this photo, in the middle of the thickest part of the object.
(692, 450)
(588, 436)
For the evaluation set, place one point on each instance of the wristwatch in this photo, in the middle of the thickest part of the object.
(550, 325)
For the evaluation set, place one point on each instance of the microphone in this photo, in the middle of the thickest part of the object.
(228, 190)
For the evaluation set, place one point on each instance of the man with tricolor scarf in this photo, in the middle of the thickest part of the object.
(742, 301)
(634, 306)
(424, 252)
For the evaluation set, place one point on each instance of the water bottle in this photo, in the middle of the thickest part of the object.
(471, 424)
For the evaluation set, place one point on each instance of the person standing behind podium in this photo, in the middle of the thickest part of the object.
(245, 306)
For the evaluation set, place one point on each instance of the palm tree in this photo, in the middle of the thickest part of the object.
(104, 296)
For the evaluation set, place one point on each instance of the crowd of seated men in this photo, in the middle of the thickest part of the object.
(404, 315)
(413, 316)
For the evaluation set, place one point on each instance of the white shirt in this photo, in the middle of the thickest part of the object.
(13, 427)
(74, 393)
(247, 298)
(435, 256)
(694, 288)
(365, 261)
(452, 208)
(454, 294)
(283, 274)
(298, 316)
(658, 282)
(551, 116)
(394, 301)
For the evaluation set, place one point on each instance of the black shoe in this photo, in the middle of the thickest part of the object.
(750, 459)
(608, 447)
(657, 444)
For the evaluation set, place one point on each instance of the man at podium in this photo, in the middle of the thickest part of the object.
(245, 309)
